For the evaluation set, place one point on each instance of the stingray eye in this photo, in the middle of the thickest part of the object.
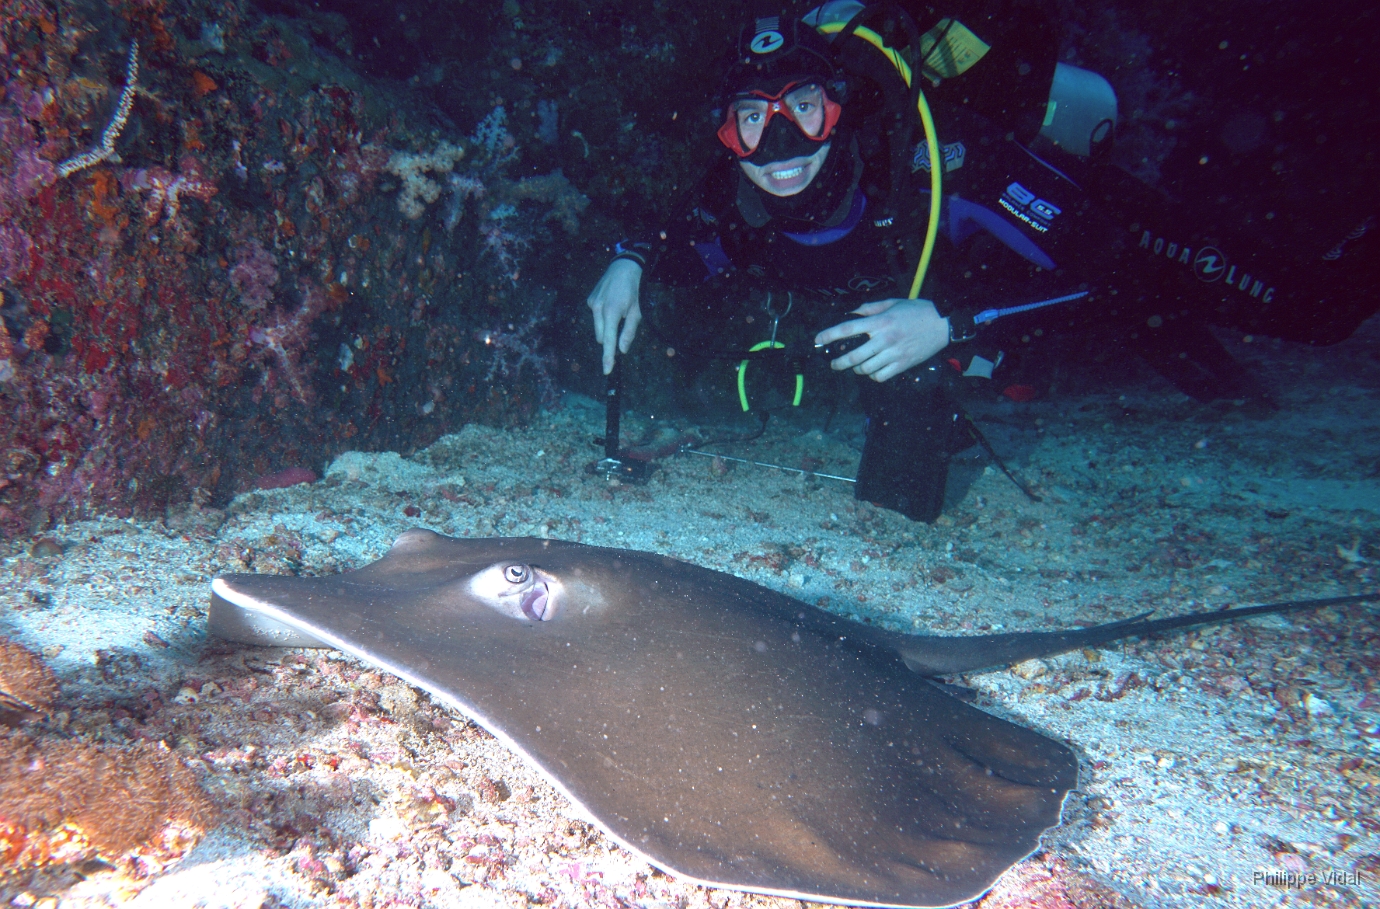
(516, 574)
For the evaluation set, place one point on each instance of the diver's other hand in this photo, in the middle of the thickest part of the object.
(614, 300)
(904, 333)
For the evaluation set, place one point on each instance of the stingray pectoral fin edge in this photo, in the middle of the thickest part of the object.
(235, 616)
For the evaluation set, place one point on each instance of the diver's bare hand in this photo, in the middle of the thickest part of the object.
(614, 301)
(903, 333)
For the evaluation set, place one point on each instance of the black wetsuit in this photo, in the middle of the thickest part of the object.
(727, 245)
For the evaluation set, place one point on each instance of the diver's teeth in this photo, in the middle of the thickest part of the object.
(788, 174)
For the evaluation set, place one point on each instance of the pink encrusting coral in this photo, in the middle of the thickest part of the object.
(16, 249)
(23, 173)
(164, 191)
(254, 274)
(291, 476)
(279, 343)
(28, 171)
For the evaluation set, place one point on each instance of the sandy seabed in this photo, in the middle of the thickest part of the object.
(1235, 766)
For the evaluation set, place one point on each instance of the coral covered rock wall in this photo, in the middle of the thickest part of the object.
(229, 245)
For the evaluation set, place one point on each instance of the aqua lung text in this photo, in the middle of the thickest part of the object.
(1209, 265)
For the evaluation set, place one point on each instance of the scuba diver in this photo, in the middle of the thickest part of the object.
(825, 200)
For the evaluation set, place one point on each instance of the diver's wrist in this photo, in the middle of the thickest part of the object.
(632, 251)
(635, 262)
(961, 327)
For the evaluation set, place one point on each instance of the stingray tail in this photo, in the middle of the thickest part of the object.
(943, 656)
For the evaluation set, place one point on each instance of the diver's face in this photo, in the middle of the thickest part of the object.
(786, 178)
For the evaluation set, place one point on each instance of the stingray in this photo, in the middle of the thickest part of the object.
(724, 732)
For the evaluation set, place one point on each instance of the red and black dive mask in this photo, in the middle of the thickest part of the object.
(752, 131)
